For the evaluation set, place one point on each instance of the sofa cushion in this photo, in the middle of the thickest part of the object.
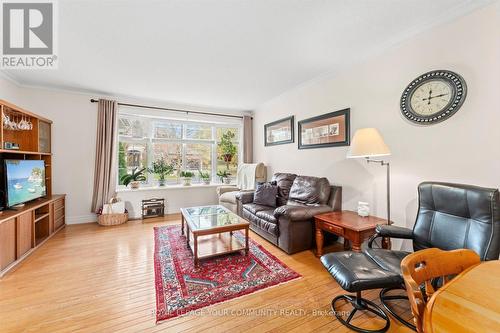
(254, 208)
(284, 182)
(310, 190)
(265, 228)
(265, 194)
(267, 215)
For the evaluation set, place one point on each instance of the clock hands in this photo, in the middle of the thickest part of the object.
(431, 97)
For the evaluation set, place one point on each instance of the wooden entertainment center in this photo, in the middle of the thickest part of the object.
(24, 229)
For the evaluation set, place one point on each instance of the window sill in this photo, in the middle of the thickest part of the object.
(168, 187)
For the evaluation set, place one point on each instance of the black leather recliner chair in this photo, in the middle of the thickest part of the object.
(450, 216)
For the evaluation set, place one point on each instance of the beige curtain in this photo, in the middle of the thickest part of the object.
(247, 139)
(105, 169)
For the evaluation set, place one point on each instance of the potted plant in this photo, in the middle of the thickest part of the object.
(227, 149)
(186, 177)
(205, 177)
(162, 169)
(224, 176)
(134, 179)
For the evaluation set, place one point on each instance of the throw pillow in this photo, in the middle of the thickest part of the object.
(265, 194)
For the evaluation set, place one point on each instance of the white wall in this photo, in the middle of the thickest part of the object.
(464, 149)
(73, 147)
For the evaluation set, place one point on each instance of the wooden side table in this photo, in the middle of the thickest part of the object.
(349, 225)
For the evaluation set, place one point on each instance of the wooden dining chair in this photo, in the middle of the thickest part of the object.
(420, 269)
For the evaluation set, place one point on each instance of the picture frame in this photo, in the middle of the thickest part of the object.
(328, 130)
(280, 132)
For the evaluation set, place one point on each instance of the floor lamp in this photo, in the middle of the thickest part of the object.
(369, 144)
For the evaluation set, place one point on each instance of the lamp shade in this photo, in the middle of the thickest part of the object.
(367, 142)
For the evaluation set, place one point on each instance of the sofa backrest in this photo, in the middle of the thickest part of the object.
(310, 190)
(284, 182)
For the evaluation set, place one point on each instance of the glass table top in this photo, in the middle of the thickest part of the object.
(210, 217)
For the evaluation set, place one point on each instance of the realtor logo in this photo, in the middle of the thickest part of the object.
(28, 34)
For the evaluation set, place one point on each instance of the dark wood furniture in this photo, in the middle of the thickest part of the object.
(217, 224)
(24, 229)
(349, 225)
(154, 207)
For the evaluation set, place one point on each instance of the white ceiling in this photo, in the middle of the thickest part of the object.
(224, 53)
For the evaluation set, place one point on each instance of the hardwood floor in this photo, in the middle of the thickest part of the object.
(89, 278)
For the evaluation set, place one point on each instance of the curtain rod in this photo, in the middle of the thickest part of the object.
(174, 110)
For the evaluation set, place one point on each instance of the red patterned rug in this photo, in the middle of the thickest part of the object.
(181, 288)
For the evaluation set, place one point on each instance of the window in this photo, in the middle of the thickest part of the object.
(186, 145)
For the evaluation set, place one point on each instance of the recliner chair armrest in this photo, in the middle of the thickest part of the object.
(392, 231)
(300, 213)
(245, 197)
(226, 188)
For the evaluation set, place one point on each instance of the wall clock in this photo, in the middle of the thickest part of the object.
(433, 97)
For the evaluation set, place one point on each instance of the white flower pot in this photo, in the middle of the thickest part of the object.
(186, 181)
(227, 180)
(206, 181)
(135, 184)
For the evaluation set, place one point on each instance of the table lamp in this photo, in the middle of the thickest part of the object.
(368, 143)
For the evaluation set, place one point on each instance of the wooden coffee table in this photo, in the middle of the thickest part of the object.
(349, 225)
(212, 228)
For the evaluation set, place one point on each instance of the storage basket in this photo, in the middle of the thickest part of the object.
(113, 218)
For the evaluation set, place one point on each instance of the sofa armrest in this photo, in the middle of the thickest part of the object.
(226, 188)
(245, 197)
(300, 213)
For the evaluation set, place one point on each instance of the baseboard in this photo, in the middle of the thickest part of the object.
(90, 218)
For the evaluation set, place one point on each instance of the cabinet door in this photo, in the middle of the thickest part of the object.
(24, 233)
(7, 243)
(43, 137)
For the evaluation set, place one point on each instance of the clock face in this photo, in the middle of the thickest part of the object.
(433, 97)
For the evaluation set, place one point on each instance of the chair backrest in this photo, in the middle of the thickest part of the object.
(284, 182)
(310, 190)
(422, 267)
(456, 216)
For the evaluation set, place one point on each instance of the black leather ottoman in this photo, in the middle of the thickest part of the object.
(356, 272)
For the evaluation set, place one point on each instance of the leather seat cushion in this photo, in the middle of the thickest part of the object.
(254, 208)
(270, 228)
(357, 272)
(389, 260)
(229, 197)
(267, 215)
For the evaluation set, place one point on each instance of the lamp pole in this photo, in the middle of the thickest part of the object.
(388, 165)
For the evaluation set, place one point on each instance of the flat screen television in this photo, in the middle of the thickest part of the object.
(25, 181)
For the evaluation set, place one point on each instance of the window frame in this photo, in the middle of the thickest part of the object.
(149, 140)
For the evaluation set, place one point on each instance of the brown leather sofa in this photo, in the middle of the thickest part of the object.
(290, 225)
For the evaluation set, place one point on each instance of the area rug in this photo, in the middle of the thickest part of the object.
(181, 287)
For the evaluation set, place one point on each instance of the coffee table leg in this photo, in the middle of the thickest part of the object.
(247, 249)
(182, 224)
(187, 235)
(195, 250)
(346, 244)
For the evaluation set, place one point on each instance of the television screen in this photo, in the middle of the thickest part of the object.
(25, 180)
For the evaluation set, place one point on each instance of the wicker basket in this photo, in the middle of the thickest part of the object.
(113, 218)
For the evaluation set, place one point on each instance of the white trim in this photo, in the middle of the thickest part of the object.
(81, 219)
(168, 187)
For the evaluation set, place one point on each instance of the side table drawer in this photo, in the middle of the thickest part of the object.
(333, 229)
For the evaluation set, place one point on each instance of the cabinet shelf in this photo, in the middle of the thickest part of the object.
(14, 151)
(39, 217)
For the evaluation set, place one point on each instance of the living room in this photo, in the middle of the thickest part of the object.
(308, 134)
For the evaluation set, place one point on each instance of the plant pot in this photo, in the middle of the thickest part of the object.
(206, 181)
(227, 180)
(161, 182)
(186, 181)
(227, 157)
(135, 184)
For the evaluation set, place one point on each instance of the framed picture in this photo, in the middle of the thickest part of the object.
(328, 130)
(279, 132)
